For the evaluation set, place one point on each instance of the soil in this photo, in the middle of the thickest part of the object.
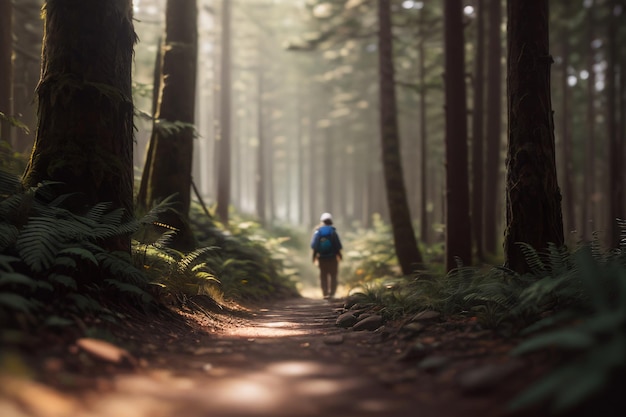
(288, 358)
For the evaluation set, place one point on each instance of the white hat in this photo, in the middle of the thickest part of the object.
(326, 216)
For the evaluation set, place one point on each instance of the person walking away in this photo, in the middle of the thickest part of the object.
(327, 248)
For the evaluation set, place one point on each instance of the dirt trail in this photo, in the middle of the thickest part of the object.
(287, 360)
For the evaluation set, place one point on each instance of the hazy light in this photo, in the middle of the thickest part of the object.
(468, 10)
(596, 43)
(572, 80)
(600, 85)
(411, 4)
(293, 368)
(323, 11)
(584, 74)
(587, 3)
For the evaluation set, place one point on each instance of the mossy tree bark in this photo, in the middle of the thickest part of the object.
(172, 141)
(85, 129)
(458, 236)
(405, 242)
(533, 198)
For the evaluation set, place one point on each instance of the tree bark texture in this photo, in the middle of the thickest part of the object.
(224, 174)
(425, 224)
(85, 131)
(478, 134)
(458, 235)
(494, 128)
(6, 66)
(405, 242)
(566, 136)
(533, 198)
(589, 179)
(616, 143)
(170, 169)
(142, 193)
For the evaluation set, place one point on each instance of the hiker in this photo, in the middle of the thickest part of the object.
(327, 247)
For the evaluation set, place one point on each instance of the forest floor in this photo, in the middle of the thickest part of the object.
(288, 358)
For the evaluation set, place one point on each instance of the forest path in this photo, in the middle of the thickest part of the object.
(288, 359)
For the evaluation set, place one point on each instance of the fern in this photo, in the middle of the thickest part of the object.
(594, 326)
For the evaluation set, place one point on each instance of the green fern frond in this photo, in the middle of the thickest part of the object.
(97, 211)
(63, 280)
(16, 302)
(185, 263)
(11, 205)
(9, 184)
(83, 303)
(8, 236)
(14, 278)
(533, 260)
(6, 261)
(38, 245)
(121, 268)
(125, 287)
(80, 253)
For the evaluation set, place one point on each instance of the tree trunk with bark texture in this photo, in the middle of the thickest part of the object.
(224, 163)
(408, 254)
(170, 169)
(478, 134)
(458, 234)
(85, 106)
(494, 128)
(533, 197)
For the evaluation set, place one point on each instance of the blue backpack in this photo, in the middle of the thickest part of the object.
(325, 245)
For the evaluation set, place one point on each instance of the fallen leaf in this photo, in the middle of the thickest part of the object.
(105, 350)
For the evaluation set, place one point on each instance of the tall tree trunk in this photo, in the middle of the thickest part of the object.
(458, 235)
(170, 170)
(6, 66)
(425, 225)
(300, 155)
(616, 146)
(566, 137)
(261, 153)
(589, 181)
(494, 128)
(85, 140)
(533, 196)
(405, 242)
(327, 163)
(224, 180)
(477, 133)
(142, 193)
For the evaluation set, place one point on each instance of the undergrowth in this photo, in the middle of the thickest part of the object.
(54, 270)
(572, 303)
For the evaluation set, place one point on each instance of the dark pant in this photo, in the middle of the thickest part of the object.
(328, 275)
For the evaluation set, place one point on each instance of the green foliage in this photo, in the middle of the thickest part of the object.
(178, 273)
(13, 121)
(253, 264)
(10, 161)
(370, 256)
(52, 261)
(573, 303)
(590, 331)
(170, 128)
